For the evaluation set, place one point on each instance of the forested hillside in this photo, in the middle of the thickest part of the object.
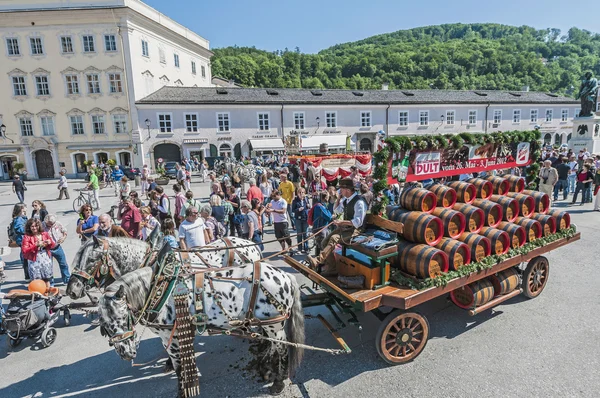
(455, 56)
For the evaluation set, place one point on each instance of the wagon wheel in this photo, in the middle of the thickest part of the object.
(535, 276)
(402, 336)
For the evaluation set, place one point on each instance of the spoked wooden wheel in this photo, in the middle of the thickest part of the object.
(402, 336)
(535, 276)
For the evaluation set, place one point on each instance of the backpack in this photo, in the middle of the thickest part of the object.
(12, 234)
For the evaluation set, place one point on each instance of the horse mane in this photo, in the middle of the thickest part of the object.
(136, 284)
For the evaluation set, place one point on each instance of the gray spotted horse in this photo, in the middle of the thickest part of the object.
(252, 300)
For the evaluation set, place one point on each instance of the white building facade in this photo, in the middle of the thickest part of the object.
(71, 73)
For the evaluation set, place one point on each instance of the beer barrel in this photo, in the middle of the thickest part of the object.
(474, 216)
(480, 246)
(563, 219)
(485, 189)
(454, 222)
(465, 192)
(491, 210)
(505, 281)
(542, 200)
(517, 184)
(515, 232)
(458, 253)
(510, 207)
(418, 226)
(419, 260)
(526, 203)
(548, 223)
(501, 185)
(417, 199)
(499, 238)
(533, 228)
(473, 295)
(446, 196)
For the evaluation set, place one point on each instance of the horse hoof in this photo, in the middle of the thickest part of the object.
(168, 366)
(277, 388)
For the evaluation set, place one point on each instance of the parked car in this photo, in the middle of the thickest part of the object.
(130, 172)
(170, 170)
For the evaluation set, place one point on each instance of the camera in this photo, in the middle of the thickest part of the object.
(544, 180)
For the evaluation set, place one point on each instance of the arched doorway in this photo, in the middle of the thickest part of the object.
(124, 159)
(547, 139)
(168, 152)
(366, 145)
(237, 151)
(213, 151)
(225, 150)
(44, 164)
(6, 162)
(101, 157)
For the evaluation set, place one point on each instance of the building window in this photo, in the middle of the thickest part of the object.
(331, 119)
(497, 116)
(533, 118)
(42, 85)
(299, 120)
(472, 117)
(423, 118)
(193, 68)
(516, 116)
(548, 115)
(19, 88)
(164, 123)
(145, 51)
(88, 44)
(26, 126)
(47, 123)
(161, 56)
(403, 118)
(223, 122)
(176, 60)
(203, 70)
(263, 121)
(98, 124)
(225, 150)
(450, 116)
(72, 84)
(93, 82)
(76, 124)
(365, 119)
(191, 122)
(564, 115)
(12, 46)
(114, 81)
(66, 44)
(120, 123)
(110, 43)
(37, 48)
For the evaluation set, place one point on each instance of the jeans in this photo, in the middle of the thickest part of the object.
(301, 228)
(581, 187)
(20, 196)
(290, 215)
(25, 266)
(565, 187)
(266, 215)
(572, 179)
(59, 254)
(233, 228)
(587, 194)
(257, 238)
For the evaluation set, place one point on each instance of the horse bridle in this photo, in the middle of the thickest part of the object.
(100, 270)
(130, 333)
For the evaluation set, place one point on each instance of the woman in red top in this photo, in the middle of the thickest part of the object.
(36, 248)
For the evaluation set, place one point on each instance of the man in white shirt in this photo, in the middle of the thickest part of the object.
(354, 209)
(278, 208)
(192, 231)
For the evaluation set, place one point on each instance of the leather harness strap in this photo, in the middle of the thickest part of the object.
(230, 252)
(254, 292)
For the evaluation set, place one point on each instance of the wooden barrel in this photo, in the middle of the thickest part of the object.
(510, 207)
(480, 246)
(446, 196)
(517, 184)
(454, 222)
(458, 253)
(563, 219)
(501, 185)
(491, 210)
(526, 203)
(533, 228)
(419, 260)
(548, 223)
(417, 199)
(418, 226)
(474, 216)
(485, 189)
(542, 200)
(515, 232)
(505, 281)
(465, 192)
(499, 238)
(473, 295)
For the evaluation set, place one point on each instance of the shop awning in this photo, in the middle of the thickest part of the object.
(271, 144)
(102, 145)
(196, 141)
(312, 142)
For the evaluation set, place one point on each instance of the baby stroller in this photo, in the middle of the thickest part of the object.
(31, 314)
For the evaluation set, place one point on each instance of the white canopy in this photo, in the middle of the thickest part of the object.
(312, 142)
(270, 144)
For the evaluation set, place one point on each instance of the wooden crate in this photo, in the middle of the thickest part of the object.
(372, 274)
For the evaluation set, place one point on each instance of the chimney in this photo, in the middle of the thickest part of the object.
(525, 88)
(385, 86)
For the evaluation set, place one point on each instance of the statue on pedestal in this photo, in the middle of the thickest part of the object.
(588, 91)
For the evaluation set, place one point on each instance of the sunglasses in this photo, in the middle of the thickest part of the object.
(195, 213)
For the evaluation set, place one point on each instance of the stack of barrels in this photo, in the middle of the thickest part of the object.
(447, 226)
(480, 292)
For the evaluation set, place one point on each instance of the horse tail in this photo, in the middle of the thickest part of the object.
(295, 330)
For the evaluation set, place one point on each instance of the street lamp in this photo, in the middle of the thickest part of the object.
(147, 121)
(3, 133)
(318, 119)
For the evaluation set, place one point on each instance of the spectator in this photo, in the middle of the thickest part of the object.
(18, 188)
(228, 209)
(63, 186)
(151, 185)
(39, 210)
(124, 187)
(179, 201)
(215, 188)
(130, 217)
(144, 179)
(250, 225)
(266, 188)
(94, 186)
(278, 206)
(58, 233)
(562, 170)
(584, 182)
(286, 188)
(192, 231)
(218, 210)
(180, 174)
(88, 223)
(108, 229)
(321, 217)
(548, 178)
(572, 179)
(257, 207)
(136, 198)
(16, 233)
(168, 230)
(189, 201)
(300, 208)
(188, 180)
(36, 248)
(367, 194)
(148, 222)
(253, 191)
(163, 205)
(117, 174)
(202, 169)
(235, 219)
(333, 199)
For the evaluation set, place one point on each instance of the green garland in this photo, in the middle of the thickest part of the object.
(486, 263)
(398, 144)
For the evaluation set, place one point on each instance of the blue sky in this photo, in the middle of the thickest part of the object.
(314, 25)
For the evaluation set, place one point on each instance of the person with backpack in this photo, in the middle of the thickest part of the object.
(214, 228)
(218, 210)
(189, 202)
(179, 201)
(319, 216)
(300, 207)
(250, 225)
(16, 231)
(163, 205)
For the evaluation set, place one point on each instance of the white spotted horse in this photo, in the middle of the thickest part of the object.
(255, 300)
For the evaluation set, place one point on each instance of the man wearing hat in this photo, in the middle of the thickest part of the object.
(354, 209)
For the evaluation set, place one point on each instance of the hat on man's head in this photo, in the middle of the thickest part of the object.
(347, 183)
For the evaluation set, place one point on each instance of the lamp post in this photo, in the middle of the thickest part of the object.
(147, 121)
(318, 119)
(3, 133)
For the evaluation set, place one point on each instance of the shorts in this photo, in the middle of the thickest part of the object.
(281, 230)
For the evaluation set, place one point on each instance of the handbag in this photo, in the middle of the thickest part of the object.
(238, 219)
(24, 187)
